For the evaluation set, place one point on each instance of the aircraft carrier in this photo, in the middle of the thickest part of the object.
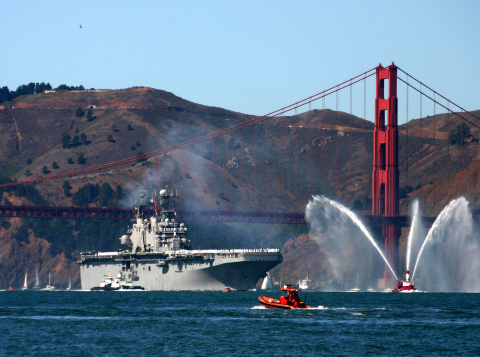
(159, 256)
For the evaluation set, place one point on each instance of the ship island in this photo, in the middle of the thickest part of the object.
(159, 255)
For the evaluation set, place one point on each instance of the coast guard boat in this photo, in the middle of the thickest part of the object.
(288, 300)
(159, 256)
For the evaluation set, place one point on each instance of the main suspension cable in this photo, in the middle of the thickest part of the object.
(250, 122)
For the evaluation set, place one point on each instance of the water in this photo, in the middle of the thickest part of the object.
(36, 323)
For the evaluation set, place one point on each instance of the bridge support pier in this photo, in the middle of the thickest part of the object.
(385, 178)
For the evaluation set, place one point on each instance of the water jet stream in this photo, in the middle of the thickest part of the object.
(358, 222)
(456, 209)
(413, 229)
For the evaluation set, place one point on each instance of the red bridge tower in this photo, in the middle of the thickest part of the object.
(385, 182)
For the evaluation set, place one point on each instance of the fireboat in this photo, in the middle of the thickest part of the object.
(405, 285)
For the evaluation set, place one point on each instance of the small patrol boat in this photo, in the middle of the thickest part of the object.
(405, 285)
(110, 283)
(288, 300)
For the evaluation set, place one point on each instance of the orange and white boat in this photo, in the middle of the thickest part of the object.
(288, 300)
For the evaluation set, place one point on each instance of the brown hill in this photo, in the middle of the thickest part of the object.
(276, 165)
(275, 160)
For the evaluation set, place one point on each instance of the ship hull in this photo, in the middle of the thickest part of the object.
(200, 271)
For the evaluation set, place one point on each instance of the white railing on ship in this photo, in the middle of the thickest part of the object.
(106, 253)
(198, 251)
(223, 251)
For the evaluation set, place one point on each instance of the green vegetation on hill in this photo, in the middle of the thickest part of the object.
(73, 236)
(460, 134)
(27, 191)
(32, 88)
(103, 195)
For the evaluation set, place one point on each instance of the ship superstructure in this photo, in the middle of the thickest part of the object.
(159, 255)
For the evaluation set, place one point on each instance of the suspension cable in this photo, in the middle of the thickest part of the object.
(466, 111)
(449, 110)
(239, 126)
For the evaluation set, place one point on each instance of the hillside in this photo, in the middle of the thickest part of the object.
(144, 119)
(276, 165)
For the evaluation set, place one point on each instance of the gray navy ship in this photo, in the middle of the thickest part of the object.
(159, 256)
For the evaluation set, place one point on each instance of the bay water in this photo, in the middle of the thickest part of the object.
(77, 323)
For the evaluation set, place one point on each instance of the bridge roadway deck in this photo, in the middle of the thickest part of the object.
(183, 215)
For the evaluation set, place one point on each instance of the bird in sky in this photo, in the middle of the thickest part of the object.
(81, 26)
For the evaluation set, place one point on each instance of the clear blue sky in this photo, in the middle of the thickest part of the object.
(249, 56)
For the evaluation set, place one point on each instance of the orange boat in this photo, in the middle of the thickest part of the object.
(289, 300)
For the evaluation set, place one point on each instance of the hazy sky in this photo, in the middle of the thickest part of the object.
(249, 56)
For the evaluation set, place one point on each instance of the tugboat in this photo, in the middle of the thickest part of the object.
(405, 285)
(305, 284)
(289, 300)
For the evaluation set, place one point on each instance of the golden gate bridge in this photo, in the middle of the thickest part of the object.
(385, 212)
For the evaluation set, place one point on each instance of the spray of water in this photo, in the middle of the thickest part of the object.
(449, 259)
(415, 231)
(330, 211)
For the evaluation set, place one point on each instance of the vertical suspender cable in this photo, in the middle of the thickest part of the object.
(226, 189)
(476, 165)
(268, 158)
(461, 155)
(310, 173)
(434, 154)
(213, 182)
(337, 139)
(421, 140)
(365, 189)
(309, 177)
(351, 96)
(406, 145)
(448, 154)
(474, 142)
(350, 145)
(294, 135)
(254, 153)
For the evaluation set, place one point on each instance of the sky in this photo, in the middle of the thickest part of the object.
(247, 56)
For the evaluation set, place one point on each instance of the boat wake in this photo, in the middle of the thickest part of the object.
(320, 307)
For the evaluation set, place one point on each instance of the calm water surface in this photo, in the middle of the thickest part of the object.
(74, 323)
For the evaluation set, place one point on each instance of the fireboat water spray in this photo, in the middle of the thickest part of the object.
(407, 284)
(455, 209)
(449, 259)
(413, 235)
(322, 200)
(413, 231)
